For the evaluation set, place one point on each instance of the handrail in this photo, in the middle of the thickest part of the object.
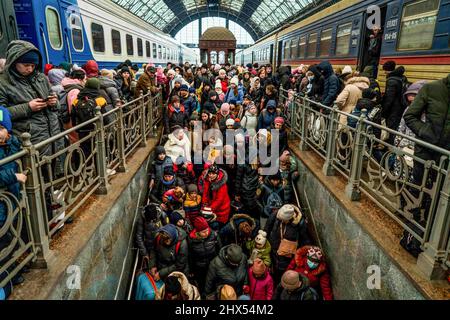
(383, 174)
(68, 177)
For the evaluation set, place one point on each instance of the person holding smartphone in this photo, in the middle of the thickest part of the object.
(26, 92)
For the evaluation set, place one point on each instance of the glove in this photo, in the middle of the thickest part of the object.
(246, 289)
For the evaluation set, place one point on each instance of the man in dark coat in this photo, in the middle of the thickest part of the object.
(24, 90)
(188, 101)
(332, 84)
(229, 267)
(239, 230)
(167, 182)
(374, 50)
(169, 252)
(294, 286)
(433, 100)
(204, 245)
(147, 82)
(393, 106)
(150, 221)
(317, 82)
(175, 115)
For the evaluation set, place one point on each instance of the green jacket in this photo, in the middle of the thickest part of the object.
(17, 91)
(263, 254)
(433, 100)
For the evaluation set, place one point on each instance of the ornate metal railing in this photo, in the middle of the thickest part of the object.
(382, 171)
(59, 183)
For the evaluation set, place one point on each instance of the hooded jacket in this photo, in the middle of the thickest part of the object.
(16, 91)
(331, 84)
(167, 258)
(215, 195)
(304, 293)
(159, 165)
(220, 272)
(144, 84)
(247, 182)
(202, 251)
(146, 232)
(161, 187)
(349, 97)
(260, 288)
(91, 68)
(174, 117)
(318, 84)
(250, 123)
(231, 233)
(111, 88)
(175, 148)
(188, 291)
(433, 100)
(393, 107)
(319, 278)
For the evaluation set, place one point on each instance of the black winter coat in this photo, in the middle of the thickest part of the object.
(304, 293)
(220, 272)
(172, 118)
(318, 85)
(393, 107)
(247, 183)
(332, 84)
(167, 260)
(160, 188)
(146, 233)
(202, 251)
(231, 233)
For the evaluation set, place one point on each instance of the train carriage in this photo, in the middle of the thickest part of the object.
(415, 34)
(79, 30)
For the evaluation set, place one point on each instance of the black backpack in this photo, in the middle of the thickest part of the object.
(85, 110)
(64, 114)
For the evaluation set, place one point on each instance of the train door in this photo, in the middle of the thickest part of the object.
(363, 60)
(53, 33)
(8, 26)
(279, 54)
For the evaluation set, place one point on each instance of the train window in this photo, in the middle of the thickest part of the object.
(268, 53)
(325, 42)
(130, 46)
(116, 42)
(418, 24)
(343, 39)
(287, 45)
(312, 45)
(147, 49)
(77, 32)
(140, 47)
(164, 53)
(302, 47)
(154, 51)
(54, 28)
(294, 46)
(98, 37)
(159, 52)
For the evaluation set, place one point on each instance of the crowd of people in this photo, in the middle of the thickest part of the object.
(217, 229)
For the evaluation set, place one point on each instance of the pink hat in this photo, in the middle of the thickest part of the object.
(278, 120)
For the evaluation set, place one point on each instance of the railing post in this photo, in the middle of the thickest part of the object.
(433, 257)
(150, 114)
(121, 141)
(302, 110)
(35, 204)
(142, 122)
(352, 189)
(328, 169)
(100, 156)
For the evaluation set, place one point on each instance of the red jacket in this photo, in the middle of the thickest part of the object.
(318, 277)
(260, 288)
(215, 196)
(224, 84)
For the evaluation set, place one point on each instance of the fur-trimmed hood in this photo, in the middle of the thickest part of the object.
(301, 261)
(234, 221)
(220, 181)
(189, 291)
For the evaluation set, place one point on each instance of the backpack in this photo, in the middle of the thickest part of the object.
(85, 110)
(273, 201)
(64, 113)
(177, 246)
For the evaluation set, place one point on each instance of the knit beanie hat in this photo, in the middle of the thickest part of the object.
(55, 76)
(234, 254)
(261, 238)
(168, 171)
(125, 69)
(258, 268)
(192, 188)
(172, 285)
(178, 80)
(159, 150)
(31, 57)
(347, 69)
(314, 254)
(235, 81)
(279, 120)
(286, 212)
(200, 224)
(152, 212)
(93, 83)
(290, 280)
(389, 65)
(271, 104)
(175, 216)
(184, 87)
(227, 293)
(229, 122)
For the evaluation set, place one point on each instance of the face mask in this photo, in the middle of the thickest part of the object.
(311, 78)
(312, 265)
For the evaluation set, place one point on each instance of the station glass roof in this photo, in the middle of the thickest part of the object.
(258, 17)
